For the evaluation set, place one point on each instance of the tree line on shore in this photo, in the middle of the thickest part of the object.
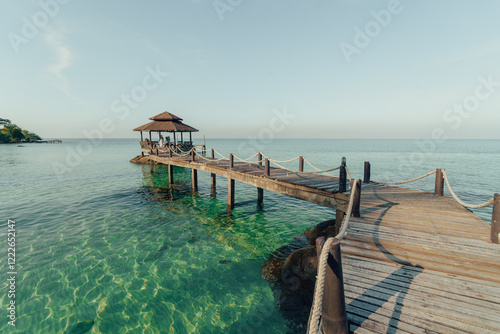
(11, 133)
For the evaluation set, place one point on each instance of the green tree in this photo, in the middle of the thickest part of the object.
(4, 138)
(30, 136)
(13, 132)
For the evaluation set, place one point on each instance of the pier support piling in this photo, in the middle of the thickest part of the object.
(439, 186)
(151, 166)
(214, 181)
(230, 195)
(333, 315)
(260, 196)
(301, 164)
(194, 179)
(170, 174)
(366, 178)
(495, 220)
(266, 168)
(343, 177)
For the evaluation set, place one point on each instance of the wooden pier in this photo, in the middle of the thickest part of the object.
(412, 261)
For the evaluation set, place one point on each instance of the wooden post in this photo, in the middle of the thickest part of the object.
(259, 157)
(151, 165)
(212, 154)
(495, 220)
(170, 174)
(169, 152)
(301, 164)
(230, 195)
(366, 178)
(357, 198)
(439, 186)
(260, 196)
(266, 168)
(193, 155)
(343, 177)
(212, 176)
(334, 315)
(194, 179)
(231, 160)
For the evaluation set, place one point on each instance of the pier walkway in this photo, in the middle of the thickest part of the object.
(412, 261)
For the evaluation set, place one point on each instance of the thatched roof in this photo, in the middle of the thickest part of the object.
(165, 116)
(166, 126)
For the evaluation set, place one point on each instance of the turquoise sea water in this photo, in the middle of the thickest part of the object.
(103, 246)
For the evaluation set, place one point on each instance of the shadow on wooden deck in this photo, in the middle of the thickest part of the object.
(375, 297)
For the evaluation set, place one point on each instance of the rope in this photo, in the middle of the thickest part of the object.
(274, 162)
(483, 205)
(319, 289)
(321, 171)
(285, 161)
(247, 159)
(412, 180)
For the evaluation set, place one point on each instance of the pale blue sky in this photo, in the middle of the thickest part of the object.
(228, 77)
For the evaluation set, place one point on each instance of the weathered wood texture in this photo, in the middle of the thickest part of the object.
(417, 263)
(311, 187)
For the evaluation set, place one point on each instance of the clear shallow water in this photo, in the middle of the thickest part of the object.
(106, 247)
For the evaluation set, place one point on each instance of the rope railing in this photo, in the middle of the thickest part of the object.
(319, 288)
(408, 181)
(454, 195)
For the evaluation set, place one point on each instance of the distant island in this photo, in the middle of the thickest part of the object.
(11, 133)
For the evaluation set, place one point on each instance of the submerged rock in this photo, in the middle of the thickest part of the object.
(291, 270)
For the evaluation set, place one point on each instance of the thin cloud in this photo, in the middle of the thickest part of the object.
(64, 60)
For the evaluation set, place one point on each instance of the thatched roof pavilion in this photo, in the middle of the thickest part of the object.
(166, 122)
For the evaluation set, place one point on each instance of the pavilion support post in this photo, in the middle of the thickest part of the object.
(301, 164)
(260, 196)
(333, 315)
(267, 168)
(182, 139)
(190, 138)
(150, 136)
(343, 177)
(212, 154)
(214, 182)
(194, 179)
(170, 174)
(259, 158)
(231, 160)
(439, 186)
(230, 195)
(357, 198)
(495, 220)
(141, 137)
(366, 178)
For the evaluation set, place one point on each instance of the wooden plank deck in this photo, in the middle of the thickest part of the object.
(417, 263)
(413, 262)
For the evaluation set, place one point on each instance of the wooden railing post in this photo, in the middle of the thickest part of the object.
(343, 177)
(357, 199)
(231, 160)
(193, 155)
(495, 220)
(212, 155)
(334, 315)
(259, 158)
(439, 186)
(169, 152)
(366, 178)
(267, 171)
(301, 164)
